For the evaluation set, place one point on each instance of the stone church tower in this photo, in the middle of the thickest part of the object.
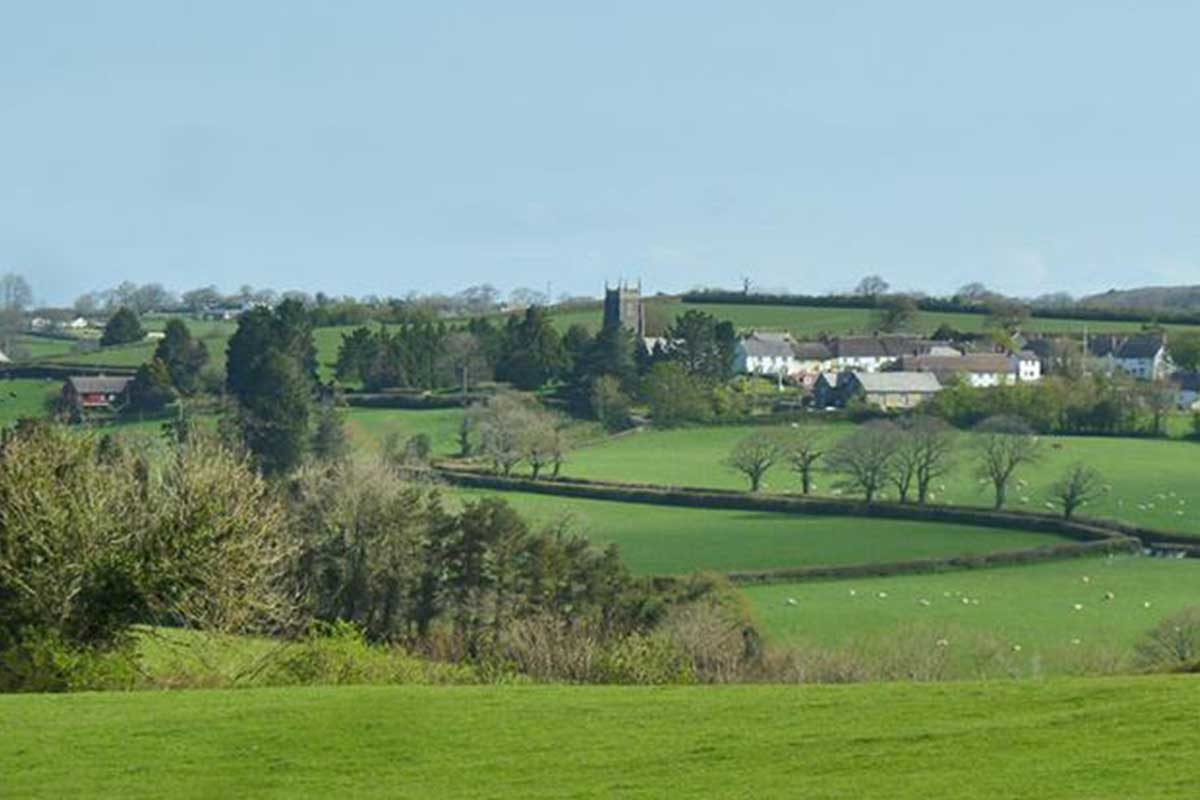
(623, 306)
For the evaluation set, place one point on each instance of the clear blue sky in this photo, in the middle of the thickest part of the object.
(382, 147)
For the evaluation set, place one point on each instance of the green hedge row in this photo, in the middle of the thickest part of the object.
(940, 304)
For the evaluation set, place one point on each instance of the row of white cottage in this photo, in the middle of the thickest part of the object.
(779, 355)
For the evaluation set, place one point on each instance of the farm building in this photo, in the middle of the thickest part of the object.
(96, 393)
(886, 390)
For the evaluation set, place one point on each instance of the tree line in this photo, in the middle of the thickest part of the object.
(908, 457)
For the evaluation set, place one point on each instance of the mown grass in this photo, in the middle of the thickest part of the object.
(663, 540)
(1095, 738)
(1153, 481)
(1031, 606)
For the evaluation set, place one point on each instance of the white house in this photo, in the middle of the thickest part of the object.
(976, 369)
(1143, 356)
(766, 354)
(77, 324)
(1029, 366)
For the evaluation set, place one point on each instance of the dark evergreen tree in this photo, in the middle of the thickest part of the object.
(184, 356)
(123, 328)
(533, 351)
(151, 390)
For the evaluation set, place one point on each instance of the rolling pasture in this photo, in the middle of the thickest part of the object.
(1049, 610)
(25, 397)
(369, 428)
(1046, 739)
(811, 321)
(1153, 481)
(664, 540)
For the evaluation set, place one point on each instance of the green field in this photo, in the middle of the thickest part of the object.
(1032, 606)
(1153, 481)
(25, 397)
(663, 540)
(369, 428)
(1096, 738)
(807, 322)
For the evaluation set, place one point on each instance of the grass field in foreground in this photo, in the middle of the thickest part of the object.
(1094, 738)
(662, 540)
(1032, 606)
(1153, 481)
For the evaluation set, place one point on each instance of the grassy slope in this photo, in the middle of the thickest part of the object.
(806, 321)
(1138, 469)
(1032, 605)
(21, 397)
(663, 540)
(997, 740)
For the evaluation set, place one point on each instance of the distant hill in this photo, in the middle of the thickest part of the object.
(1165, 298)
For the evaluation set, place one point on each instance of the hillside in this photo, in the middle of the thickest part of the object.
(970, 740)
(1149, 298)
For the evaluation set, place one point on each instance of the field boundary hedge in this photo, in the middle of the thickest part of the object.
(1088, 537)
(938, 304)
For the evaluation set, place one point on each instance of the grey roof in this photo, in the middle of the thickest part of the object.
(99, 384)
(859, 347)
(769, 345)
(881, 346)
(816, 351)
(974, 363)
(1186, 381)
(885, 382)
(1142, 346)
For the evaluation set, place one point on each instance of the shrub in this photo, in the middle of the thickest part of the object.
(1173, 645)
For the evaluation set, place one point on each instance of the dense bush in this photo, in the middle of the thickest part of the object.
(1173, 645)
(95, 537)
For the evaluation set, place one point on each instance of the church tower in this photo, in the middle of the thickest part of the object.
(623, 306)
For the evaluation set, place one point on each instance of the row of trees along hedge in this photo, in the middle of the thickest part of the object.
(958, 305)
(908, 457)
(99, 537)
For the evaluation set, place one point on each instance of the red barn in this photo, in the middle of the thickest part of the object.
(96, 393)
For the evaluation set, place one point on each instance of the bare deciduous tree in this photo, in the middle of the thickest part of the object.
(754, 456)
(803, 451)
(923, 454)
(1004, 444)
(1079, 486)
(864, 458)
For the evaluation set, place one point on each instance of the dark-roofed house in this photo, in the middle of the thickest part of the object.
(1187, 390)
(887, 390)
(1142, 356)
(96, 393)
